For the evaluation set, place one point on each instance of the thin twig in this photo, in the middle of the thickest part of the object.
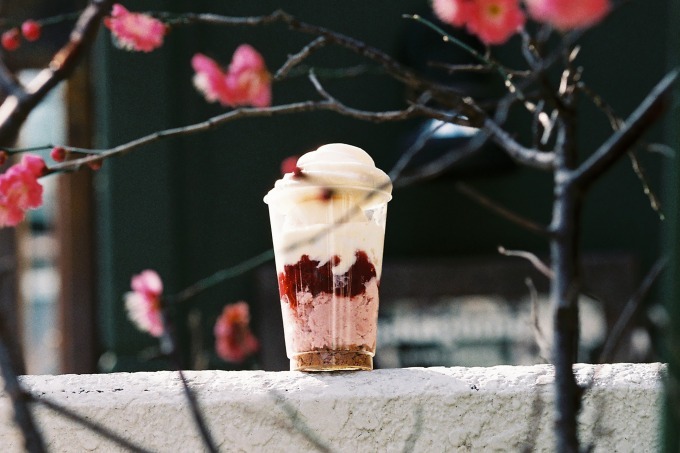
(484, 59)
(644, 116)
(617, 123)
(646, 189)
(296, 59)
(500, 210)
(661, 148)
(221, 276)
(540, 338)
(443, 163)
(336, 73)
(527, 156)
(631, 308)
(453, 68)
(398, 71)
(533, 259)
(240, 113)
(408, 155)
(339, 107)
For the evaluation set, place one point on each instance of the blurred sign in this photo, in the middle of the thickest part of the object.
(476, 331)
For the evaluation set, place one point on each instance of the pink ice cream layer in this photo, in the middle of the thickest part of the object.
(330, 322)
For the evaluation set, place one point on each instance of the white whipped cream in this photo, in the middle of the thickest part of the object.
(342, 241)
(339, 167)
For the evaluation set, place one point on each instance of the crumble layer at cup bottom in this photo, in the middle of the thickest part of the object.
(356, 358)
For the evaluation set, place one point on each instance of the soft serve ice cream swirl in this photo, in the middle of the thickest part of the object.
(338, 166)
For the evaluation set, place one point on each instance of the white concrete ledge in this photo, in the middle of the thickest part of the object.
(418, 409)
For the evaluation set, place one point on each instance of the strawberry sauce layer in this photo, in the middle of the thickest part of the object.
(308, 276)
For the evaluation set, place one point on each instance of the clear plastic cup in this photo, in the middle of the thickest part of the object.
(328, 247)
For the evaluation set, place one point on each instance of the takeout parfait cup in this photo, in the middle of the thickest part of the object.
(328, 245)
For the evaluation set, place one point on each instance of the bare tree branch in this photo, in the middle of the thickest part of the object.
(644, 116)
(438, 166)
(17, 106)
(527, 156)
(328, 104)
(245, 112)
(533, 259)
(513, 217)
(539, 336)
(453, 68)
(616, 123)
(296, 59)
(418, 82)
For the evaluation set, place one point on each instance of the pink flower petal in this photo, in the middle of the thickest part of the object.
(144, 313)
(10, 215)
(20, 190)
(143, 303)
(135, 31)
(568, 14)
(246, 58)
(246, 82)
(452, 12)
(34, 164)
(147, 282)
(210, 80)
(495, 21)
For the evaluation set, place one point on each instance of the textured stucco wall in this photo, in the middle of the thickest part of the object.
(417, 409)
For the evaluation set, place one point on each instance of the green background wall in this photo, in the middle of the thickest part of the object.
(188, 207)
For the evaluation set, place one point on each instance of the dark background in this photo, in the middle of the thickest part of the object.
(188, 207)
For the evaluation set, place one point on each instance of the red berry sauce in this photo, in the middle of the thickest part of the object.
(306, 275)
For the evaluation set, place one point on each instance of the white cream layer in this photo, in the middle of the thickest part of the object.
(344, 241)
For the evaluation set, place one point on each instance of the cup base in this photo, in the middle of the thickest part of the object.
(332, 361)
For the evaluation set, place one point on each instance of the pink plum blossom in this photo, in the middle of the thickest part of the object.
(495, 21)
(233, 339)
(248, 78)
(143, 303)
(452, 12)
(492, 21)
(210, 79)
(20, 190)
(568, 14)
(245, 82)
(135, 31)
